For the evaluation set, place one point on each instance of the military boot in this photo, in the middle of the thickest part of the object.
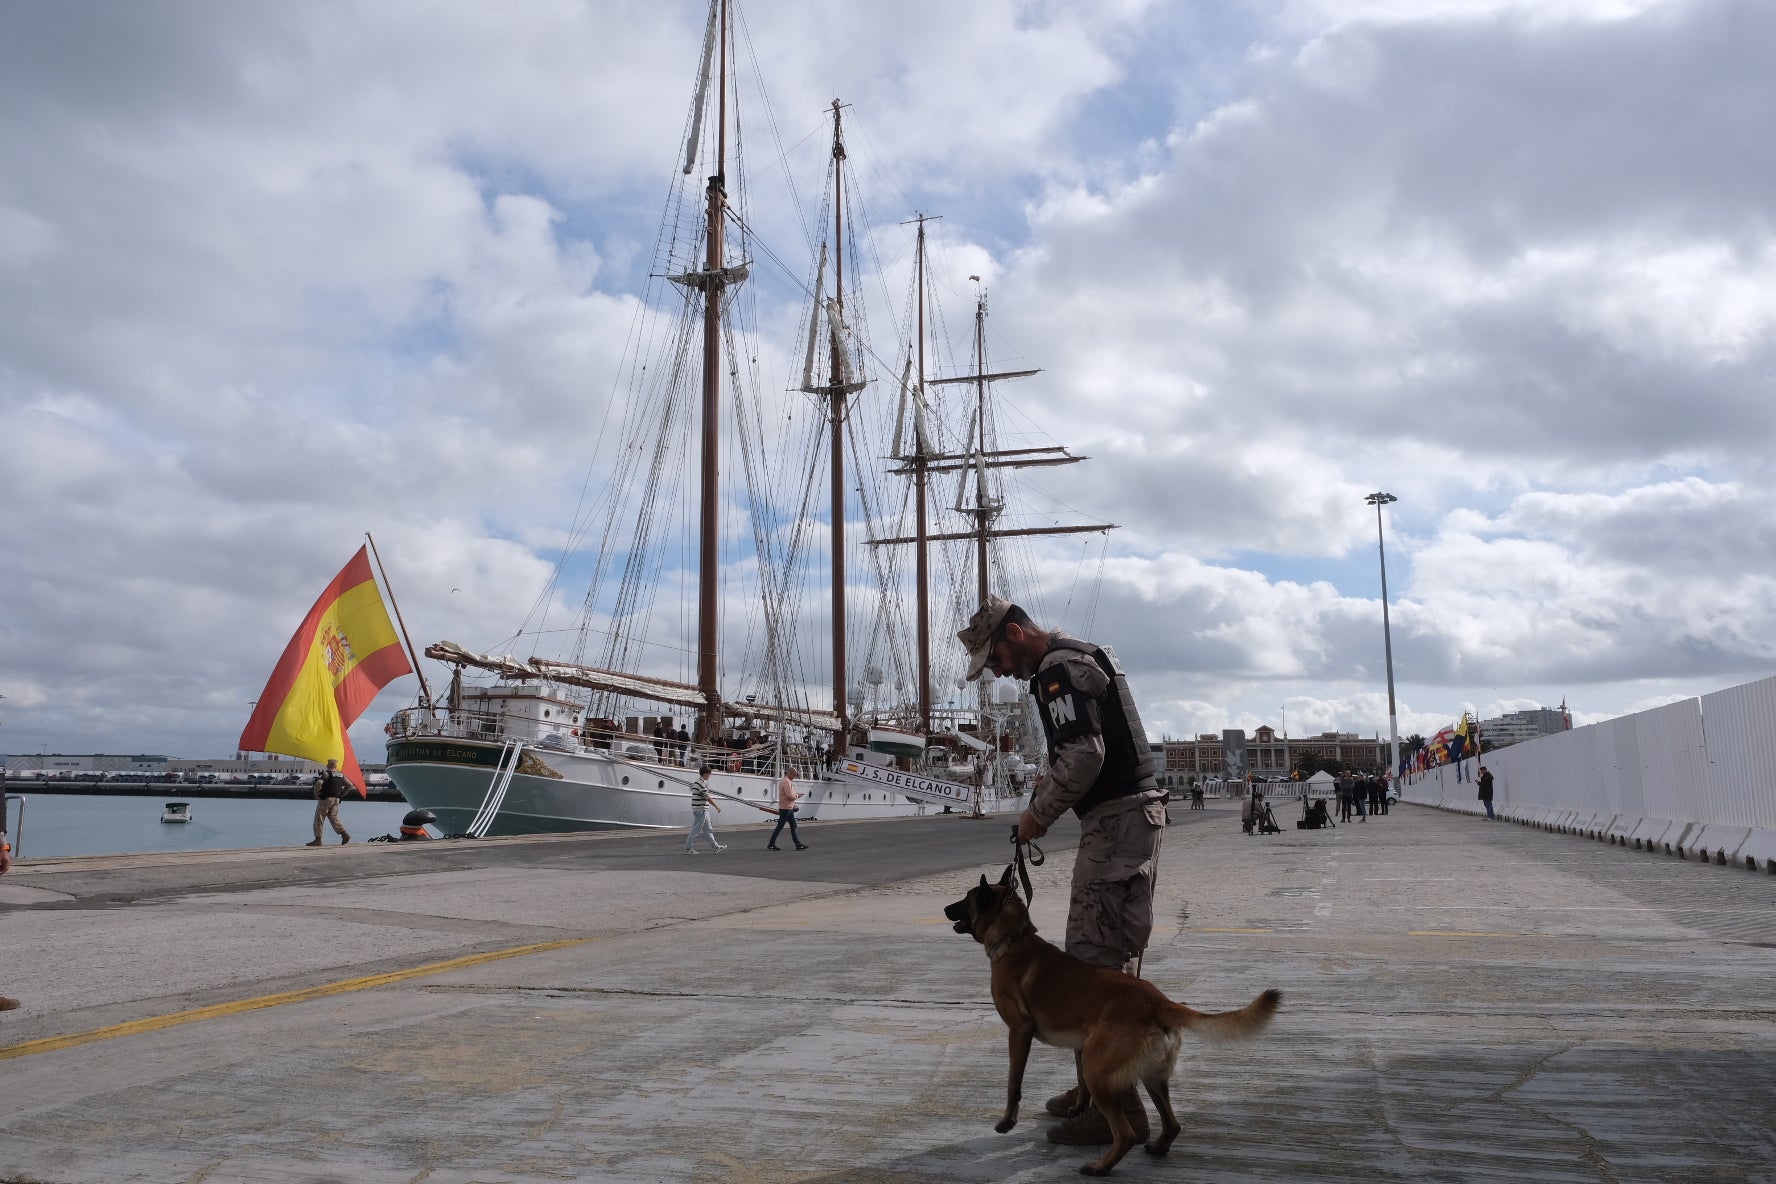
(1092, 1130)
(1062, 1105)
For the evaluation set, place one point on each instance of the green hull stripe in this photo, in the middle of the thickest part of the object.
(442, 752)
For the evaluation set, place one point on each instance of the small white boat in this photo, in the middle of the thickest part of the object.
(176, 812)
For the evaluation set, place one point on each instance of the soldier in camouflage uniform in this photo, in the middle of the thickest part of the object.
(1100, 767)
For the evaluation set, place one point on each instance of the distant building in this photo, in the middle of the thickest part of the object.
(100, 765)
(95, 762)
(1347, 748)
(1266, 754)
(1516, 726)
(1169, 780)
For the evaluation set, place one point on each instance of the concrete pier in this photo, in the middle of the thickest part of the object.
(1462, 1001)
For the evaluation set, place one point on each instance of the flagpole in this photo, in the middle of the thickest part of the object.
(424, 688)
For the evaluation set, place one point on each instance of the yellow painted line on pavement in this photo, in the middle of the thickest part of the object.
(1461, 933)
(216, 1011)
(1207, 929)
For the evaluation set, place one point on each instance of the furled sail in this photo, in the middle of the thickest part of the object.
(702, 90)
(639, 686)
(642, 686)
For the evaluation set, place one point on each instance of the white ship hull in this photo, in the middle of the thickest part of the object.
(595, 790)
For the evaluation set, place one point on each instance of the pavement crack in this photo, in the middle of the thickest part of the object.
(1524, 1078)
(555, 1114)
(1591, 1152)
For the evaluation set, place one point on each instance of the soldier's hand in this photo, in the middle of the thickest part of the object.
(1029, 830)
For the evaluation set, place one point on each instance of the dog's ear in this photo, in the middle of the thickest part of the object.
(983, 879)
(1006, 878)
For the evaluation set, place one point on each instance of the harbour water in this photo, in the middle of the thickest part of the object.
(75, 824)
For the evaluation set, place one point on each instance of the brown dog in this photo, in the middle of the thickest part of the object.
(1121, 1029)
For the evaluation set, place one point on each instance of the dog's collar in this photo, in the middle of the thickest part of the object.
(1004, 943)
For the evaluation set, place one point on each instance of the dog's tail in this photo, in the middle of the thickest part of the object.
(1225, 1027)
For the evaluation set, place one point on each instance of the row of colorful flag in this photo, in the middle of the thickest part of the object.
(1450, 745)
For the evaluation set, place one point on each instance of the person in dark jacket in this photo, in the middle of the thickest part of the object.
(1485, 780)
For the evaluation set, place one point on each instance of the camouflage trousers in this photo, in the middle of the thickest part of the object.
(1110, 915)
(327, 810)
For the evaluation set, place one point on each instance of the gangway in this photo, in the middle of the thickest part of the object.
(929, 789)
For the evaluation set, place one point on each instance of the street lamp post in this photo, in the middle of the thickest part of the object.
(1288, 768)
(1378, 500)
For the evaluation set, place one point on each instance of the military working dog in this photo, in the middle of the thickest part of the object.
(1121, 1029)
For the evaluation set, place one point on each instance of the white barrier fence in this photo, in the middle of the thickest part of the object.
(1696, 778)
(1176, 785)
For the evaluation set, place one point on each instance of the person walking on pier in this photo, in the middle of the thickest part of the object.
(701, 803)
(329, 787)
(1485, 780)
(1100, 767)
(787, 797)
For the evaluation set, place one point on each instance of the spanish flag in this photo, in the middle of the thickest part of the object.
(345, 652)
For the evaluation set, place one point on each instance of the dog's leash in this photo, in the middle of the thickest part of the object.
(1035, 859)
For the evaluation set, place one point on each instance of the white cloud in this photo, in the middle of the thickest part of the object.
(274, 276)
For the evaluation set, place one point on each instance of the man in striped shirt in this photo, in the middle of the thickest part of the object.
(701, 803)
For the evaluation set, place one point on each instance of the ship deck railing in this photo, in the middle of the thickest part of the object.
(768, 756)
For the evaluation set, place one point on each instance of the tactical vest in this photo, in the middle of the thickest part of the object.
(1128, 762)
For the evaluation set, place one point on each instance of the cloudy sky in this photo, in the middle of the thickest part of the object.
(275, 275)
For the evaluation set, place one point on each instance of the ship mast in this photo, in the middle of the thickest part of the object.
(922, 553)
(840, 384)
(986, 508)
(838, 392)
(709, 534)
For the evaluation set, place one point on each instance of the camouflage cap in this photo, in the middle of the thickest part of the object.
(978, 637)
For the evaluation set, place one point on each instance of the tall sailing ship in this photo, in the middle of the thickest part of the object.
(566, 743)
